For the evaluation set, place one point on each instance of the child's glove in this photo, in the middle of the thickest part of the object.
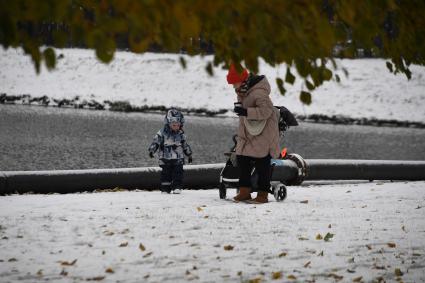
(150, 154)
(189, 159)
(240, 111)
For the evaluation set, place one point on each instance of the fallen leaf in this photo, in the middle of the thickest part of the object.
(228, 248)
(199, 208)
(142, 247)
(319, 237)
(398, 272)
(97, 278)
(66, 263)
(320, 254)
(12, 259)
(148, 254)
(391, 245)
(307, 264)
(40, 272)
(108, 233)
(276, 275)
(304, 201)
(291, 277)
(403, 228)
(63, 272)
(255, 280)
(239, 273)
(329, 226)
(328, 236)
(125, 244)
(358, 279)
(206, 216)
(282, 254)
(351, 260)
(336, 276)
(146, 276)
(379, 267)
(109, 270)
(351, 271)
(369, 247)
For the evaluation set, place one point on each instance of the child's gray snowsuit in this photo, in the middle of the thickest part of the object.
(172, 148)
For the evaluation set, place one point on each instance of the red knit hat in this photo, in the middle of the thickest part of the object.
(234, 77)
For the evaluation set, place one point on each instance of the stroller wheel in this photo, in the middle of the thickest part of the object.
(222, 191)
(279, 192)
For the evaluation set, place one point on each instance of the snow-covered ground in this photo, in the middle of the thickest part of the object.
(323, 232)
(149, 79)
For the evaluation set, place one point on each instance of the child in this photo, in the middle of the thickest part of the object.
(170, 142)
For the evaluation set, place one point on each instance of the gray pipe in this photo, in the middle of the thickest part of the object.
(67, 181)
(202, 176)
(336, 169)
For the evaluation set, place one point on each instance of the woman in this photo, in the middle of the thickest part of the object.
(258, 133)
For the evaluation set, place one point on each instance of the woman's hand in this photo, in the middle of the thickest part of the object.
(240, 111)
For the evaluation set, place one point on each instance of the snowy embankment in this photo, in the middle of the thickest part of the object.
(154, 80)
(364, 232)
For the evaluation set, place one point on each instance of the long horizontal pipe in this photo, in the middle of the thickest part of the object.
(202, 176)
(343, 169)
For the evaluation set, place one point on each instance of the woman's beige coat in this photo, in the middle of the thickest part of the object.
(259, 107)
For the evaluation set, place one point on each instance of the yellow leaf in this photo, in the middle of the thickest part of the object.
(228, 248)
(199, 209)
(142, 247)
(66, 263)
(276, 275)
(292, 277)
(125, 244)
(319, 237)
(282, 254)
(398, 272)
(109, 270)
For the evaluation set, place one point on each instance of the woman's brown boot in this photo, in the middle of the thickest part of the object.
(244, 194)
(261, 198)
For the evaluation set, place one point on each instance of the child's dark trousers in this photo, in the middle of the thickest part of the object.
(171, 176)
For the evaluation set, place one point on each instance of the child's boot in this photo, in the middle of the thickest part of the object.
(262, 197)
(177, 190)
(165, 188)
(244, 194)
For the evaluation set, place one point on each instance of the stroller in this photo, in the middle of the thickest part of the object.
(229, 175)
